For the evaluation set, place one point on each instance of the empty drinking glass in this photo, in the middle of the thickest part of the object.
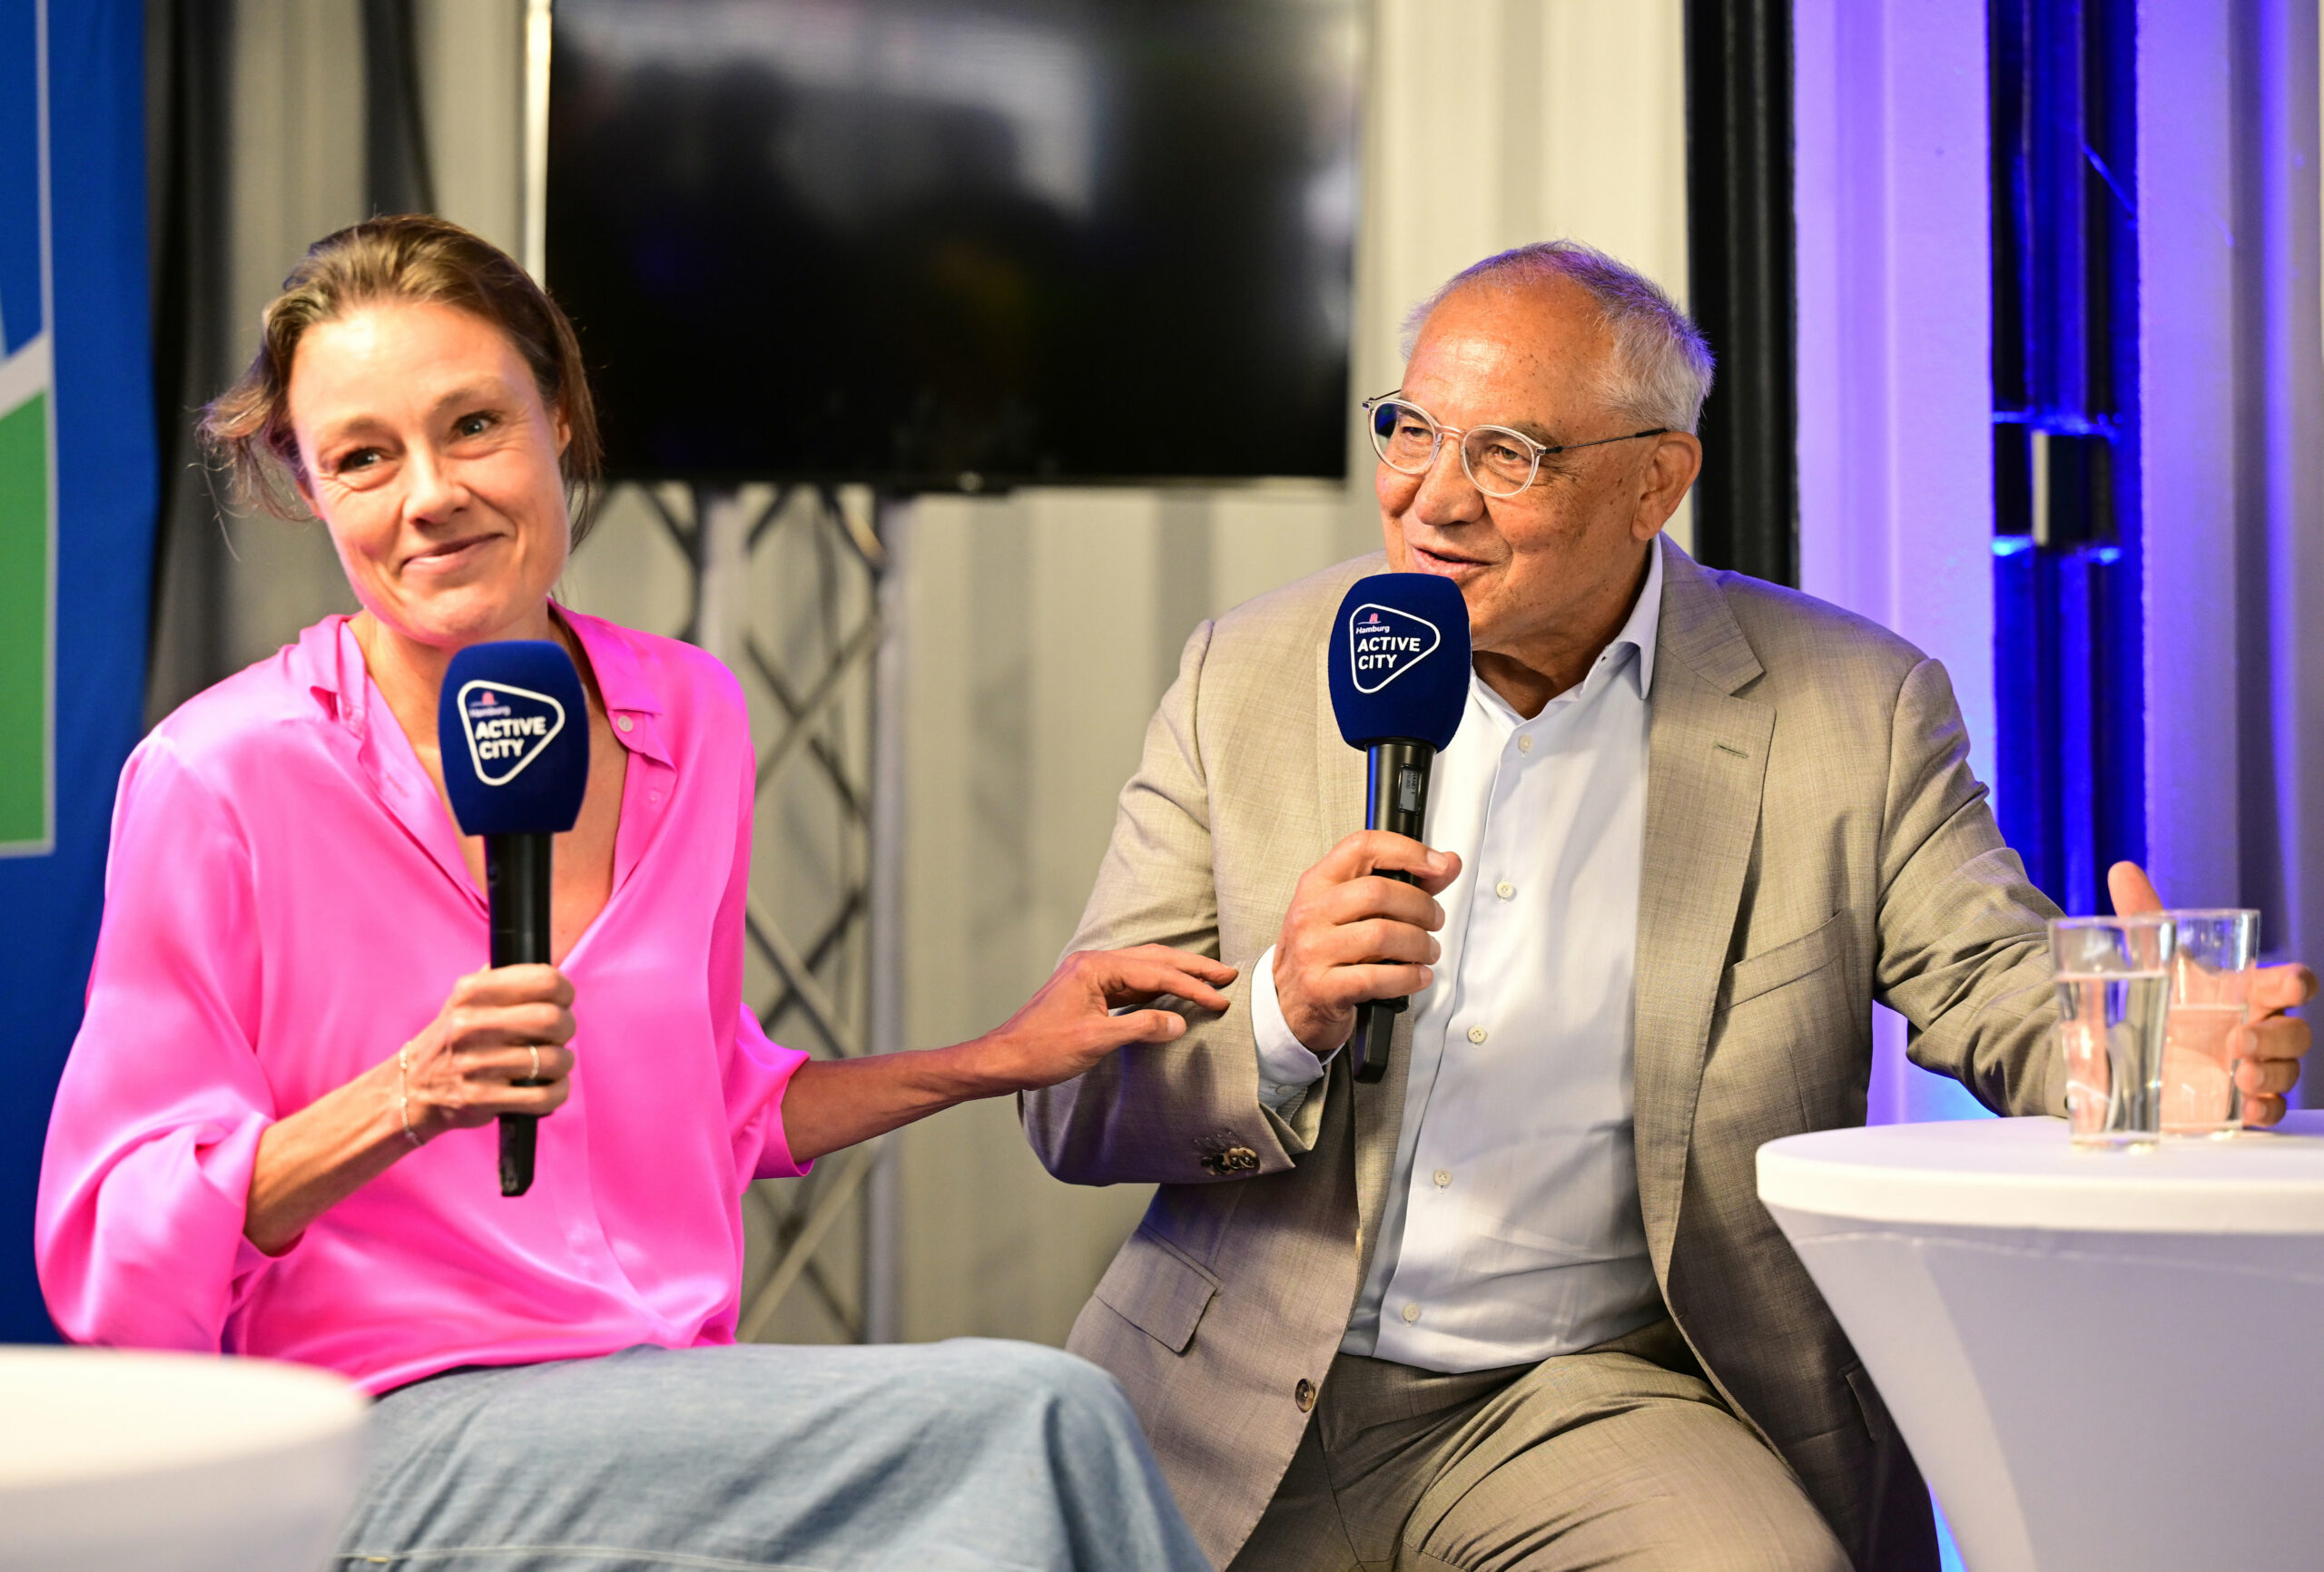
(2210, 989)
(2113, 982)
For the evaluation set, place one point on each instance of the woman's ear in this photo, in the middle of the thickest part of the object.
(302, 483)
(564, 429)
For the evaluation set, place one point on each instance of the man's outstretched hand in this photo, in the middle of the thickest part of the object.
(2274, 1041)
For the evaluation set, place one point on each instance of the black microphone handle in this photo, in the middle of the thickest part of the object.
(1396, 799)
(516, 877)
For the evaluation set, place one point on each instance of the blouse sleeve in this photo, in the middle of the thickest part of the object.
(145, 1182)
(758, 1070)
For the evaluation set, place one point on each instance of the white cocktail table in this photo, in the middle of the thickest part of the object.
(142, 1461)
(2102, 1359)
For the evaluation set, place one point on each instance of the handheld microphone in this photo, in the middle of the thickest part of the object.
(1399, 682)
(512, 727)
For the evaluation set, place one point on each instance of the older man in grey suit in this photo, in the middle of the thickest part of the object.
(1518, 1306)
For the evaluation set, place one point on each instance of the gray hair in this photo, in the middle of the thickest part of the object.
(1660, 370)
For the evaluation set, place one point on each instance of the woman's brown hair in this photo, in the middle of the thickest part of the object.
(414, 258)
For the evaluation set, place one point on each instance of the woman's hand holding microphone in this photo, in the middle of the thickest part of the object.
(496, 1046)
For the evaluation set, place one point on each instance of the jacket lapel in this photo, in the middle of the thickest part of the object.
(1707, 754)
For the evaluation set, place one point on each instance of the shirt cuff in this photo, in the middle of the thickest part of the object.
(1286, 1069)
(774, 1159)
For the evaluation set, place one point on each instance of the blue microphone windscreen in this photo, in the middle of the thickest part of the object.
(1400, 660)
(514, 729)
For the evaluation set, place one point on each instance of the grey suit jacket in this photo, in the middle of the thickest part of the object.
(1813, 841)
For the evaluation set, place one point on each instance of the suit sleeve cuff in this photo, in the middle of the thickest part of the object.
(1286, 1069)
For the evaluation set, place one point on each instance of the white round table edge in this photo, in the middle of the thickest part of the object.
(125, 1459)
(2025, 1172)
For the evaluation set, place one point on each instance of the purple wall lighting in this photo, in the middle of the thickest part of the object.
(2067, 647)
(1895, 341)
(2231, 388)
(2061, 391)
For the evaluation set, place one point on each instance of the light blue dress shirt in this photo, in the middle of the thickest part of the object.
(1512, 1229)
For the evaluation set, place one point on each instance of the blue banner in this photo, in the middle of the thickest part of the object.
(77, 498)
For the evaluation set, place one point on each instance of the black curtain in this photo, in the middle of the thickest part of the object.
(1739, 252)
(395, 134)
(198, 347)
(189, 46)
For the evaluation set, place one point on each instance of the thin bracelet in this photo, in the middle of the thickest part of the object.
(403, 1095)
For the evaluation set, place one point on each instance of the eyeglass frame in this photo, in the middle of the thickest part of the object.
(1541, 449)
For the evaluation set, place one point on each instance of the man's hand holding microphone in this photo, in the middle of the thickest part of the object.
(1352, 935)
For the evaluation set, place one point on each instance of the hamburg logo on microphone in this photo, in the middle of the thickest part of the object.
(507, 727)
(1384, 644)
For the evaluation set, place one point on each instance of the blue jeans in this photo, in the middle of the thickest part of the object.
(970, 1456)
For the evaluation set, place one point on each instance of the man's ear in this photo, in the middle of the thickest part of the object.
(1671, 469)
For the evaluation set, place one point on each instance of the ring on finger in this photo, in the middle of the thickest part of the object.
(534, 1073)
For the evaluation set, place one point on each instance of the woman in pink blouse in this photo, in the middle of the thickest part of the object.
(275, 1134)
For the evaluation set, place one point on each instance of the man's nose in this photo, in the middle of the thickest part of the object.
(1447, 495)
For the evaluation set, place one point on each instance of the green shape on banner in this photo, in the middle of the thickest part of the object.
(24, 635)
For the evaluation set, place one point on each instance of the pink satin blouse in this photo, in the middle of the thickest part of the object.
(285, 903)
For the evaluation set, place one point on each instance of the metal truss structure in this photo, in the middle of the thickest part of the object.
(821, 662)
(793, 588)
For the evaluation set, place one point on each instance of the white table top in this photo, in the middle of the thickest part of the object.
(2025, 1173)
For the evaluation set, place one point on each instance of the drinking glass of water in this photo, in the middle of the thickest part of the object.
(2113, 981)
(2211, 988)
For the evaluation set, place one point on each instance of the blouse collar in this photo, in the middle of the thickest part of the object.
(329, 663)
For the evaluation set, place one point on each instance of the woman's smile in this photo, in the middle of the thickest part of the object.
(442, 559)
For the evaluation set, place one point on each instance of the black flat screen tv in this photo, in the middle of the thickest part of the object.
(959, 244)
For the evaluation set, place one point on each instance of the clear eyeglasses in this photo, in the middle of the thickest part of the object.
(1499, 460)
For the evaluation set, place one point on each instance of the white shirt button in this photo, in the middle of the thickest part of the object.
(1525, 743)
(625, 723)
(1443, 1176)
(1505, 890)
(1412, 1313)
(1476, 1034)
